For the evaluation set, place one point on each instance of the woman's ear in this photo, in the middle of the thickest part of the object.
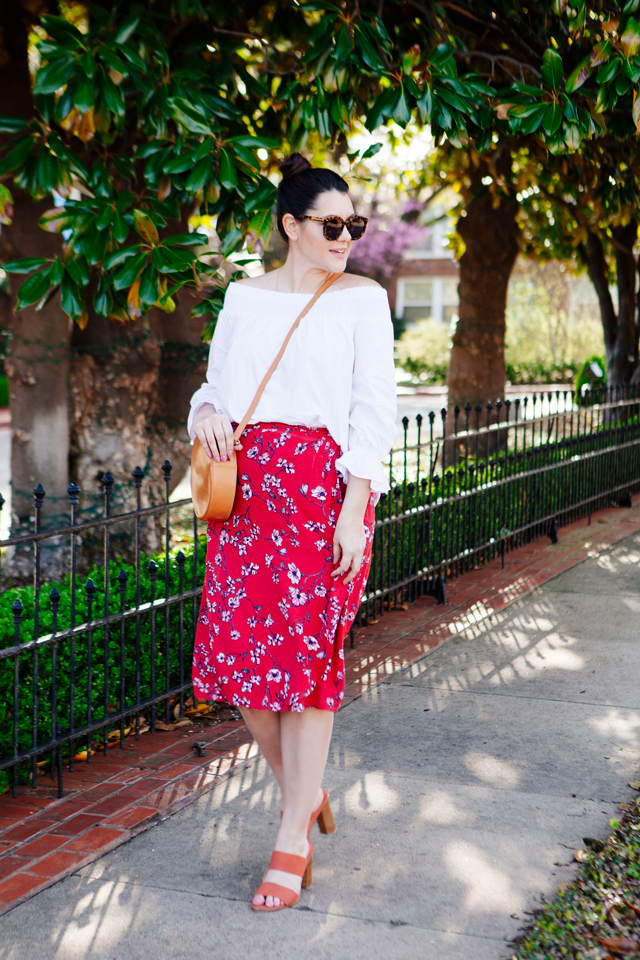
(291, 226)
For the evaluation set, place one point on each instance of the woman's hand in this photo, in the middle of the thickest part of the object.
(349, 540)
(215, 433)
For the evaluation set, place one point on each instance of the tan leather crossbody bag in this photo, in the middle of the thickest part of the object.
(213, 485)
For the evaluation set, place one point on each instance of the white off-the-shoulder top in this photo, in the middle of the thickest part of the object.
(337, 371)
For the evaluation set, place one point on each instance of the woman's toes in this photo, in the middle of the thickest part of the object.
(258, 900)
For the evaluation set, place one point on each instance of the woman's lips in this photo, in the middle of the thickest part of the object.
(339, 253)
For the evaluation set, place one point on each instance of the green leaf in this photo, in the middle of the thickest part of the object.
(102, 300)
(371, 151)
(401, 112)
(95, 245)
(199, 176)
(130, 272)
(579, 75)
(189, 117)
(27, 265)
(247, 156)
(12, 125)
(120, 257)
(231, 242)
(630, 39)
(62, 30)
(260, 225)
(630, 7)
(343, 45)
(18, 155)
(524, 109)
(33, 289)
(186, 239)
(608, 72)
(255, 142)
(552, 69)
(145, 228)
(54, 75)
(119, 227)
(367, 49)
(57, 272)
(149, 286)
(71, 297)
(79, 270)
(572, 136)
(425, 104)
(531, 123)
(226, 171)
(126, 30)
(104, 217)
(552, 118)
(83, 97)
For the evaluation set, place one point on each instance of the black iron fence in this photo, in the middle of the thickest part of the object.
(90, 657)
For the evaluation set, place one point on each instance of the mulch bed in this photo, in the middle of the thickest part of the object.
(597, 917)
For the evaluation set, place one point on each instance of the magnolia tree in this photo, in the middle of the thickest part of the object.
(140, 115)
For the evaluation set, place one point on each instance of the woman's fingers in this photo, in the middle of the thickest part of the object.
(228, 438)
(356, 563)
(216, 436)
(350, 563)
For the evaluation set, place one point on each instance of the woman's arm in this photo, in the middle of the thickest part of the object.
(349, 539)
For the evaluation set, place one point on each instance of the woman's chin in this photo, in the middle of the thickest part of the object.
(336, 264)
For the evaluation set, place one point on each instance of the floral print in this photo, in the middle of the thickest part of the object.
(272, 621)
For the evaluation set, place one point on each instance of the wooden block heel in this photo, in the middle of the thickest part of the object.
(325, 818)
(308, 874)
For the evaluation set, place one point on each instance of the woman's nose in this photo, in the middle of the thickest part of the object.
(345, 235)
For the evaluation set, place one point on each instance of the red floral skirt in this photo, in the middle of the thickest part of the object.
(272, 621)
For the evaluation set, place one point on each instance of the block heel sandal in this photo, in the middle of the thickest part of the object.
(323, 815)
(287, 863)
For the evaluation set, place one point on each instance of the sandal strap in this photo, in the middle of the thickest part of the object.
(289, 863)
(285, 894)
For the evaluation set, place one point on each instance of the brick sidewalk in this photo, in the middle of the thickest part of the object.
(43, 838)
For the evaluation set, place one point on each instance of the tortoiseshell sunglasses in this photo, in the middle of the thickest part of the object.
(332, 227)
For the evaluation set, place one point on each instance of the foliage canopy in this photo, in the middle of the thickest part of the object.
(146, 114)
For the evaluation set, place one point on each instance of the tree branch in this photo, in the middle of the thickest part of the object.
(496, 58)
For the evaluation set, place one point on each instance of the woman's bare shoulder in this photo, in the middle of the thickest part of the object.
(350, 280)
(267, 281)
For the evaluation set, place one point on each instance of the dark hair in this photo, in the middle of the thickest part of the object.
(300, 187)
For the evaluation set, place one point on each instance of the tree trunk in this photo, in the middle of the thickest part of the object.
(620, 329)
(476, 371)
(130, 390)
(37, 366)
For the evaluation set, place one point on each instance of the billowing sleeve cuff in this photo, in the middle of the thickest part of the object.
(364, 462)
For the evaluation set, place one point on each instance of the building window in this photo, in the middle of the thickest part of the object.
(419, 298)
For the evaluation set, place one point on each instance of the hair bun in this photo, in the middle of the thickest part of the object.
(294, 164)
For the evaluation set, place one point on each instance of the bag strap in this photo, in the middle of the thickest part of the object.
(326, 283)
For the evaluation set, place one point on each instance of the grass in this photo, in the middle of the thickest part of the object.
(597, 917)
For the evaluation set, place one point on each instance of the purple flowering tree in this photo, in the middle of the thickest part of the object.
(388, 237)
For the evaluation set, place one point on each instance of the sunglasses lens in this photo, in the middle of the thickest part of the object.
(356, 227)
(333, 229)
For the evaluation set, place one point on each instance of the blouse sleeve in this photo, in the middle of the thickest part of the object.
(372, 413)
(208, 392)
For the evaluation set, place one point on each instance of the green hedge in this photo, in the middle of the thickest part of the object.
(4, 391)
(84, 664)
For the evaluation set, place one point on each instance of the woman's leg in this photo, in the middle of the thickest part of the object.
(264, 726)
(304, 739)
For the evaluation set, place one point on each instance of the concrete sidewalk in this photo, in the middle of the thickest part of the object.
(461, 788)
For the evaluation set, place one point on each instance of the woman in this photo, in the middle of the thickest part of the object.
(285, 574)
